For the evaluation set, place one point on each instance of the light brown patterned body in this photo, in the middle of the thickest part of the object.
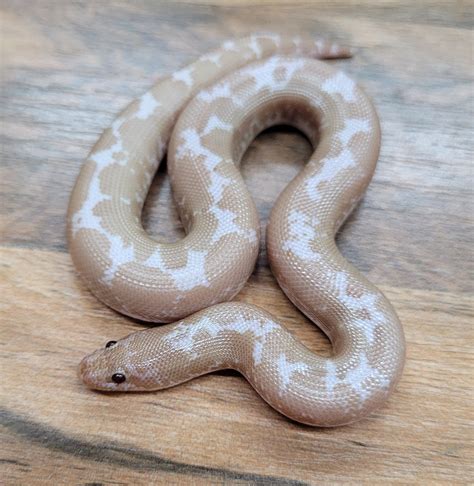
(158, 282)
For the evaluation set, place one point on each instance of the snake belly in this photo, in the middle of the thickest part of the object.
(206, 115)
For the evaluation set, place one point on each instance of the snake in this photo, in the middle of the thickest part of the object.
(204, 117)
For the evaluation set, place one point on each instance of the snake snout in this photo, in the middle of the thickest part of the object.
(85, 371)
(82, 369)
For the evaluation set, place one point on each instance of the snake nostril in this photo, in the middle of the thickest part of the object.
(110, 343)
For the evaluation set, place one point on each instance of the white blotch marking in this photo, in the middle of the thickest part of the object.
(260, 330)
(217, 91)
(226, 225)
(331, 379)
(215, 123)
(297, 42)
(330, 168)
(184, 336)
(359, 378)
(193, 274)
(341, 84)
(85, 218)
(187, 277)
(218, 185)
(191, 143)
(257, 327)
(334, 50)
(119, 253)
(148, 105)
(302, 229)
(367, 302)
(106, 157)
(264, 74)
(351, 127)
(286, 370)
(184, 75)
(361, 374)
(319, 44)
(255, 46)
(229, 45)
(215, 58)
(257, 352)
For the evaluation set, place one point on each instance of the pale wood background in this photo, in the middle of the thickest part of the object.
(67, 70)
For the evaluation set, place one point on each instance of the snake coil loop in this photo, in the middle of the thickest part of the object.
(207, 114)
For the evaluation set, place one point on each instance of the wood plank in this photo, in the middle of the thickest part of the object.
(67, 70)
(425, 132)
(218, 422)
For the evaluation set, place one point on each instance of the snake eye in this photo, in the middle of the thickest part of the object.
(110, 343)
(118, 378)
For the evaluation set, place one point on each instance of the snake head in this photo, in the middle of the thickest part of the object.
(110, 369)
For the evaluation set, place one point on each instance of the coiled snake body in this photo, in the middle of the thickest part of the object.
(224, 100)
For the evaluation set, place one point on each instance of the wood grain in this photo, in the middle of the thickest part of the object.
(67, 70)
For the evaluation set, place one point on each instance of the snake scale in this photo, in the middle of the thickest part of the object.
(205, 116)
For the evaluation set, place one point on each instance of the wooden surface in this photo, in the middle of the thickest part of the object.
(67, 69)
